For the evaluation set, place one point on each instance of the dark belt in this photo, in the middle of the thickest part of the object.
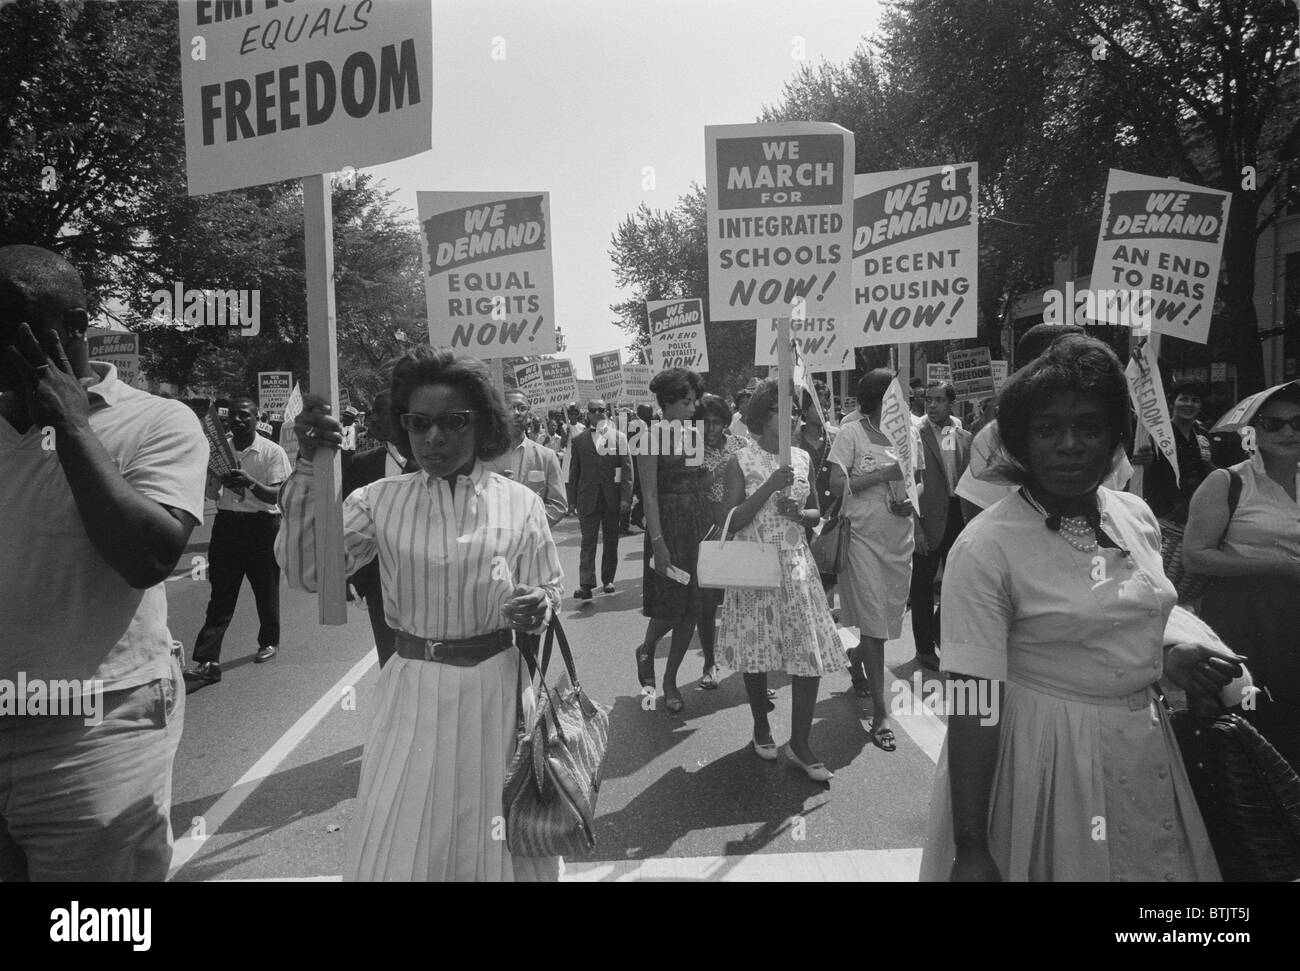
(464, 653)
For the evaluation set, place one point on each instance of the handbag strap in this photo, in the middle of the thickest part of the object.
(726, 527)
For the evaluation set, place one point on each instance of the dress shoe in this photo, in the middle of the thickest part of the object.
(265, 653)
(206, 672)
(817, 771)
(582, 593)
(764, 750)
(608, 588)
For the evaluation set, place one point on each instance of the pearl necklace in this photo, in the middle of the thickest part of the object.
(1072, 528)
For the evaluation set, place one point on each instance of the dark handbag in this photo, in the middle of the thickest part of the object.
(1248, 795)
(1190, 586)
(549, 797)
(830, 547)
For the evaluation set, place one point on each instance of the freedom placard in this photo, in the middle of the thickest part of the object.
(277, 91)
(559, 384)
(896, 423)
(273, 389)
(780, 201)
(1148, 393)
(636, 385)
(607, 371)
(819, 345)
(972, 373)
(916, 255)
(1161, 241)
(677, 334)
(118, 349)
(487, 272)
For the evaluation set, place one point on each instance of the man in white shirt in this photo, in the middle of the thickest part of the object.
(738, 426)
(243, 545)
(527, 462)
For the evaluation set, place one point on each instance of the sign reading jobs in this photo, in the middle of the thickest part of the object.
(916, 255)
(677, 334)
(487, 272)
(779, 221)
(1163, 240)
(275, 91)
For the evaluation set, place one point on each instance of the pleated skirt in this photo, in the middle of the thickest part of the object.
(1093, 792)
(429, 804)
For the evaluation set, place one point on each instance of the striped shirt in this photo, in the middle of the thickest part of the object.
(447, 562)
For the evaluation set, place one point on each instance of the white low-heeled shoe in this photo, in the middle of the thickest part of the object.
(817, 771)
(766, 752)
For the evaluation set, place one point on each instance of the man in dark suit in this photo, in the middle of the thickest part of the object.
(600, 488)
(363, 469)
(947, 453)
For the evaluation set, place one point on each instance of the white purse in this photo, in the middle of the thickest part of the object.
(740, 564)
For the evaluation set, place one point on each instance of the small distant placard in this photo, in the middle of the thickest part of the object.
(972, 373)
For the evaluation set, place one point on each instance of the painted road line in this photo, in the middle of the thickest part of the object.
(922, 725)
(234, 797)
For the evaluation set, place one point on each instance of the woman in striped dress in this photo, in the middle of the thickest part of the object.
(465, 556)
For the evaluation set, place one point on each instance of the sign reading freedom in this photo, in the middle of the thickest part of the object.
(276, 91)
(780, 220)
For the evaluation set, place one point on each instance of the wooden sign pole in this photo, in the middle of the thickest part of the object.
(318, 233)
(785, 375)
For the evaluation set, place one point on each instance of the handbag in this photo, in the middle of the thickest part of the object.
(1248, 795)
(740, 564)
(1190, 586)
(549, 797)
(830, 547)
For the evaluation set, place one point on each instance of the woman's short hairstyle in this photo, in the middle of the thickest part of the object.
(424, 365)
(764, 399)
(871, 389)
(675, 383)
(1074, 363)
(711, 406)
(1187, 386)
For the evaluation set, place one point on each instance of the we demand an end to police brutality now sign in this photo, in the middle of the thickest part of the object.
(279, 90)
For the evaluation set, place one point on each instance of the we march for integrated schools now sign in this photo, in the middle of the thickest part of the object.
(280, 90)
(487, 272)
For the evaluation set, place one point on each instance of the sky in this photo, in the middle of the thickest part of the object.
(587, 96)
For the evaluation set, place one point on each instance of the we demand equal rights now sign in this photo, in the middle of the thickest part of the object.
(276, 91)
(487, 272)
(779, 220)
(1163, 240)
(916, 255)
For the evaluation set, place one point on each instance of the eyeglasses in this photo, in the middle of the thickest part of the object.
(1091, 429)
(1277, 424)
(519, 408)
(598, 411)
(452, 421)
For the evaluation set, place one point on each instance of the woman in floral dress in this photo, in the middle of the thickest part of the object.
(788, 629)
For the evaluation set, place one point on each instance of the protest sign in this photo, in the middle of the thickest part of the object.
(273, 389)
(1161, 240)
(896, 423)
(999, 372)
(780, 201)
(820, 345)
(586, 392)
(559, 386)
(938, 372)
(607, 370)
(1147, 391)
(487, 272)
(292, 408)
(636, 385)
(916, 255)
(677, 334)
(528, 379)
(275, 91)
(972, 373)
(118, 349)
(221, 457)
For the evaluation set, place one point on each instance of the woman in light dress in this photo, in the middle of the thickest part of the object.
(789, 629)
(465, 556)
(1060, 762)
(873, 590)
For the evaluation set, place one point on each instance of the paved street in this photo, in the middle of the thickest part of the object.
(269, 763)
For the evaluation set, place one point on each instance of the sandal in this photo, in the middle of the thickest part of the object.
(710, 680)
(673, 703)
(883, 739)
(645, 668)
